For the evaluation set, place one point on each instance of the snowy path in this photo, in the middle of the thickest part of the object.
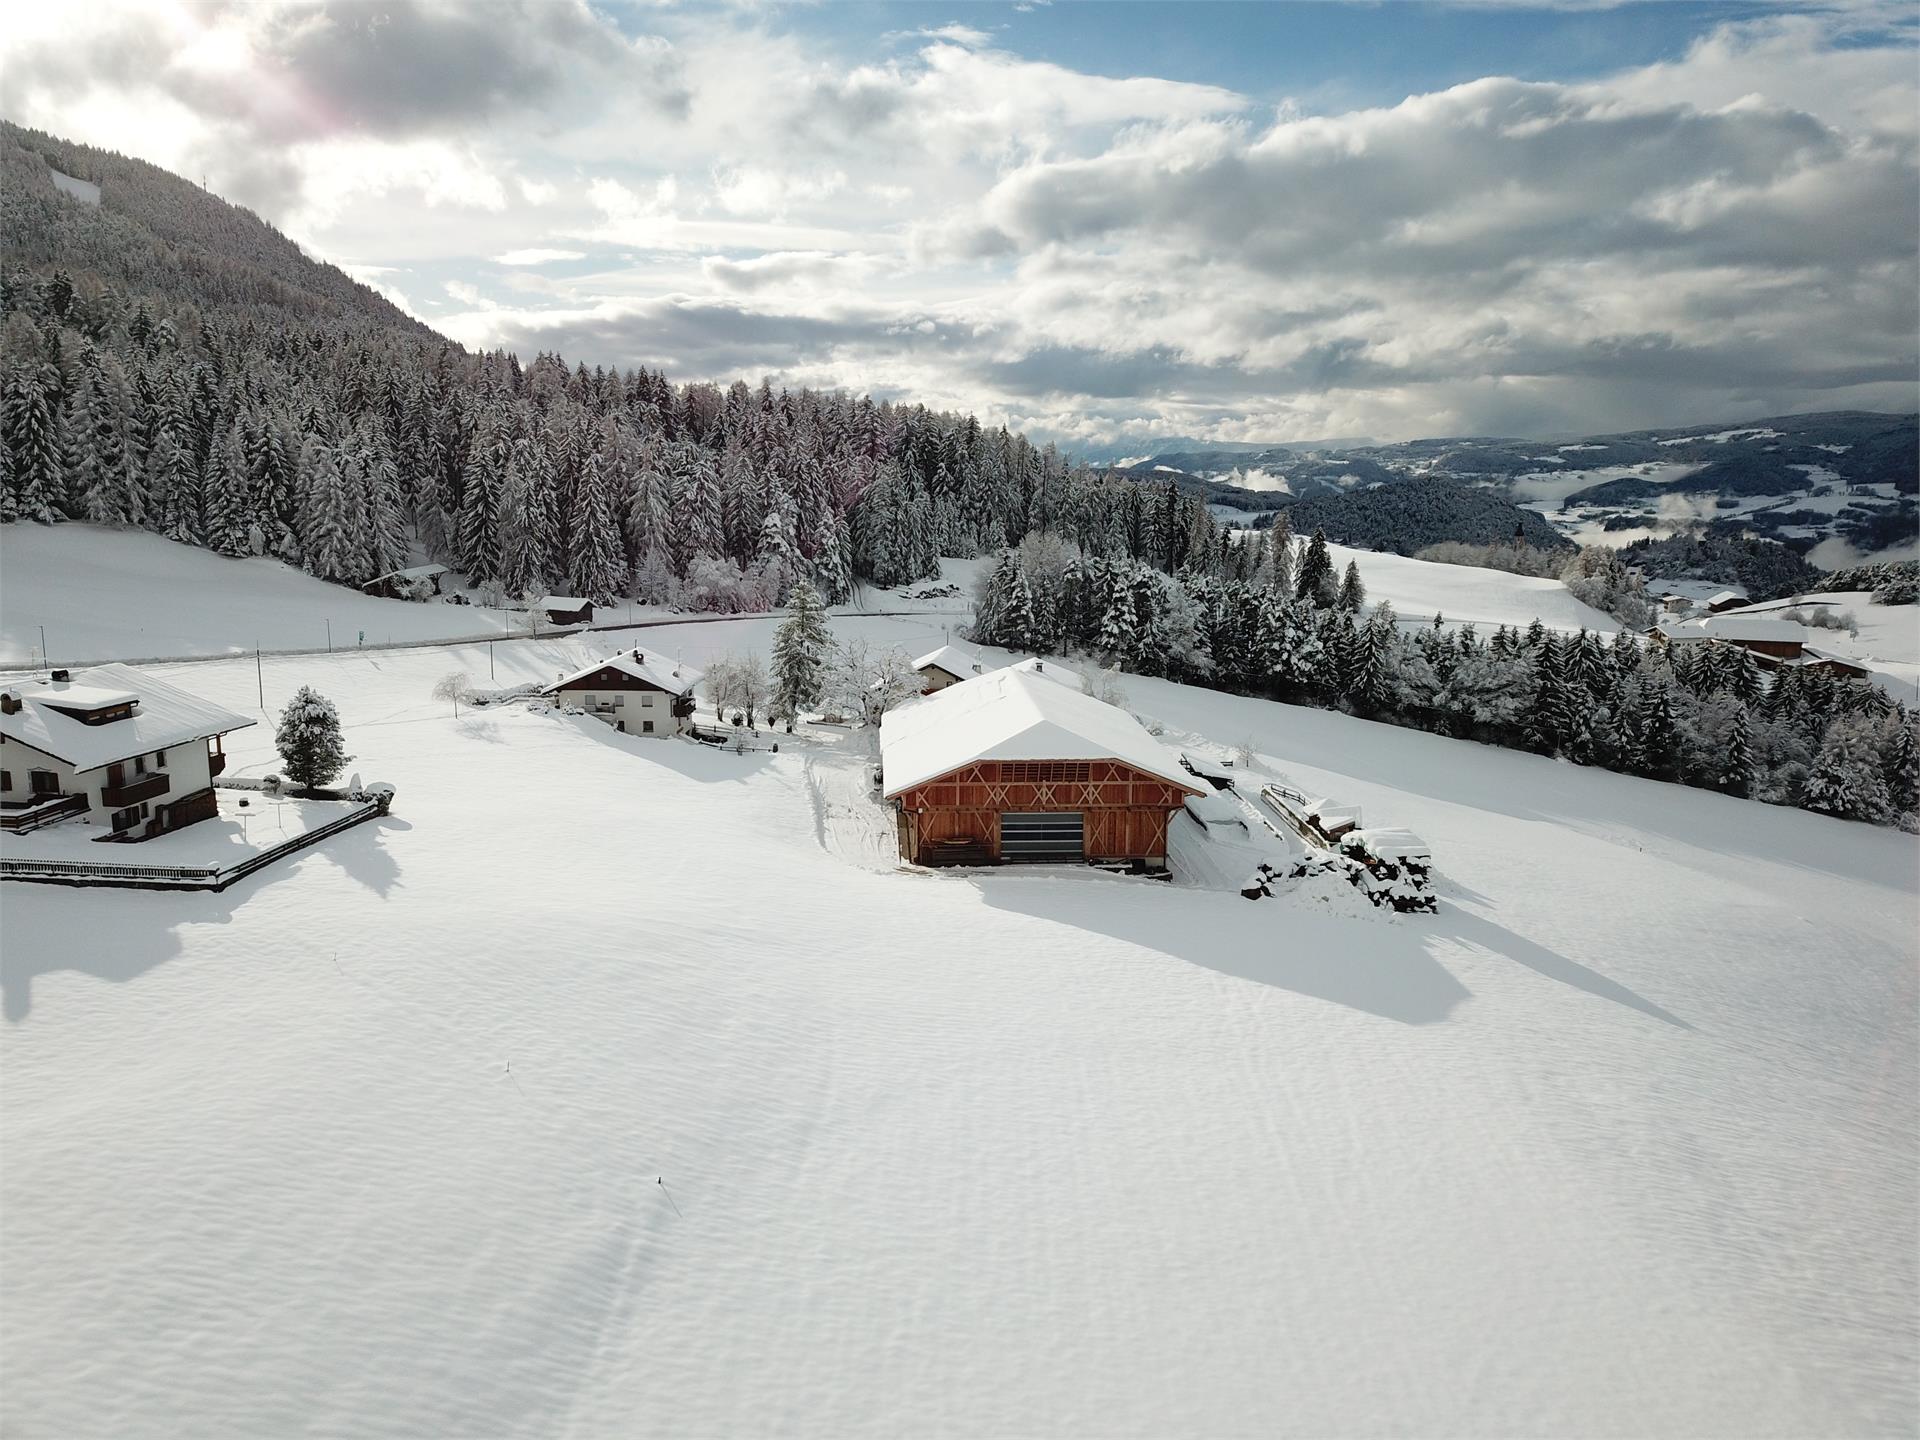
(1621, 1142)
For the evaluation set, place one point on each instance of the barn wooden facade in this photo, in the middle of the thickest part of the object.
(1010, 767)
(1006, 811)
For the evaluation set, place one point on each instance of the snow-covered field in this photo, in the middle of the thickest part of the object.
(1420, 589)
(124, 594)
(1620, 1142)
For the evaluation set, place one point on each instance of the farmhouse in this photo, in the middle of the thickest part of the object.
(948, 665)
(1769, 641)
(109, 742)
(1009, 767)
(636, 693)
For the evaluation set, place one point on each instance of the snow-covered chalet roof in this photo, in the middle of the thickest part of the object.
(662, 672)
(1012, 715)
(952, 659)
(1728, 597)
(1738, 627)
(563, 602)
(163, 716)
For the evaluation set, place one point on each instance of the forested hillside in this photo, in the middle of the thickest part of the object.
(1409, 516)
(173, 363)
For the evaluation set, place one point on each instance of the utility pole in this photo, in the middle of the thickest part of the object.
(329, 635)
(489, 659)
(260, 680)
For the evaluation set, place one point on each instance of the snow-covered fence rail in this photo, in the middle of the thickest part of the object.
(112, 874)
(487, 637)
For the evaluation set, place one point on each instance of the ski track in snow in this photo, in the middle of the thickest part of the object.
(1620, 1142)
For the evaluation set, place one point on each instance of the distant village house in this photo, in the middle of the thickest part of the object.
(130, 752)
(948, 665)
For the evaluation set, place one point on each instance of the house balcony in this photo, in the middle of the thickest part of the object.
(24, 815)
(216, 762)
(141, 787)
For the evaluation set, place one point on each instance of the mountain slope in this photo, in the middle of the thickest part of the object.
(155, 234)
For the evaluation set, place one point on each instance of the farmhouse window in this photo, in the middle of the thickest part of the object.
(44, 782)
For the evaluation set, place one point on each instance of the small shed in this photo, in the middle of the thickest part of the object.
(1725, 600)
(419, 582)
(567, 610)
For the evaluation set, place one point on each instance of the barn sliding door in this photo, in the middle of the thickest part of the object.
(1036, 838)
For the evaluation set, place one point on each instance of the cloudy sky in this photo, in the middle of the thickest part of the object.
(1096, 222)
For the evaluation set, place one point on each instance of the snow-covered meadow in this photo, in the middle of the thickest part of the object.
(1621, 1141)
(103, 594)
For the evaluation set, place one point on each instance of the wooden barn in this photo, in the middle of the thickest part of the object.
(1010, 767)
(567, 610)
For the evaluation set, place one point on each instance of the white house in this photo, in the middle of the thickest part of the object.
(636, 693)
(128, 752)
(948, 665)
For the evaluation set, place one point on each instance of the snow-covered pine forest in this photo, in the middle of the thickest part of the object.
(1275, 620)
(350, 451)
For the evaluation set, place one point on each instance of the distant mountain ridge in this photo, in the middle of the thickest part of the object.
(1848, 477)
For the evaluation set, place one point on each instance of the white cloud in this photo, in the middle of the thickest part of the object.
(1724, 231)
(537, 256)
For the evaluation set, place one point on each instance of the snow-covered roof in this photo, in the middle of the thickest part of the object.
(1810, 656)
(1391, 843)
(1738, 628)
(416, 572)
(1212, 769)
(1215, 809)
(1014, 715)
(1050, 670)
(662, 672)
(1728, 597)
(165, 715)
(563, 602)
(950, 658)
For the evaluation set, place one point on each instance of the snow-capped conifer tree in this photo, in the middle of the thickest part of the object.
(1316, 584)
(312, 750)
(802, 650)
(34, 481)
(1353, 593)
(599, 565)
